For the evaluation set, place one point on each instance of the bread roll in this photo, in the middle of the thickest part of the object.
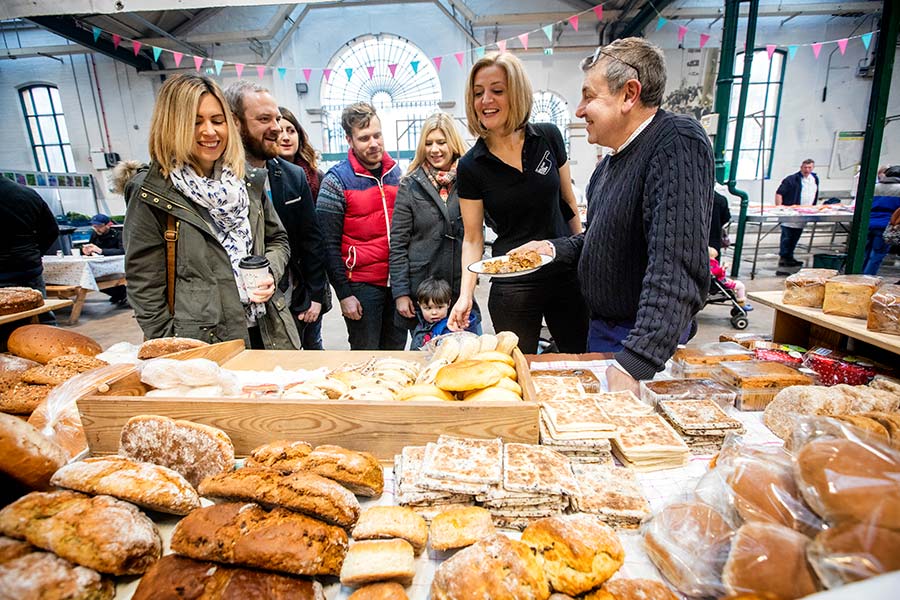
(423, 389)
(467, 375)
(493, 393)
(167, 345)
(631, 589)
(175, 577)
(378, 560)
(359, 472)
(469, 346)
(766, 558)
(385, 522)
(765, 491)
(247, 535)
(495, 356)
(854, 551)
(45, 576)
(487, 342)
(460, 527)
(380, 591)
(41, 343)
(28, 456)
(447, 350)
(507, 342)
(577, 552)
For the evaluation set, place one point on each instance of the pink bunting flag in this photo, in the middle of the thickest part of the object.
(842, 44)
(437, 62)
(502, 45)
(817, 47)
(239, 67)
(198, 62)
(371, 71)
(117, 39)
(306, 74)
(136, 46)
(260, 71)
(770, 50)
(598, 10)
(393, 69)
(524, 39)
(178, 56)
(573, 21)
(682, 31)
(460, 56)
(327, 74)
(703, 39)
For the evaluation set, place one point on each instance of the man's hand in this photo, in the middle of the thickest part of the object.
(263, 292)
(405, 307)
(89, 249)
(539, 246)
(618, 380)
(311, 314)
(351, 308)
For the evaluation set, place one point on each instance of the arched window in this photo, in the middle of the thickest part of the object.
(47, 128)
(549, 107)
(393, 75)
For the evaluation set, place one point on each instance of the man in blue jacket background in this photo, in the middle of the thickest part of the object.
(800, 188)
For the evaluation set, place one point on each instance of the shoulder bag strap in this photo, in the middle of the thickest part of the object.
(171, 240)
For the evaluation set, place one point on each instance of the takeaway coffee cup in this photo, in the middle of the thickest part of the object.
(254, 269)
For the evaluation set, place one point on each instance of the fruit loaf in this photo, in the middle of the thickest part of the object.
(28, 456)
(41, 343)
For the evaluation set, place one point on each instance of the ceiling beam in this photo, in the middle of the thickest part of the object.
(202, 17)
(287, 34)
(777, 10)
(191, 48)
(268, 33)
(647, 13)
(459, 25)
(46, 51)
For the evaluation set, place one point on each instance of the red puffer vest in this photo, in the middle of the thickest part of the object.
(369, 202)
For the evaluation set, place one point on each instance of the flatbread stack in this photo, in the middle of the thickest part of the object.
(648, 443)
(577, 428)
(622, 403)
(701, 422)
(611, 493)
(407, 492)
(547, 387)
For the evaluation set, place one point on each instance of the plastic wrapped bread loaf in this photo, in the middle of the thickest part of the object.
(806, 287)
(884, 310)
(849, 295)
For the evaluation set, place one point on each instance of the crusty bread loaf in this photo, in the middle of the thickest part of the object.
(577, 552)
(192, 449)
(380, 591)
(844, 480)
(167, 345)
(384, 522)
(459, 527)
(99, 532)
(281, 455)
(175, 577)
(28, 456)
(766, 558)
(10, 549)
(854, 551)
(45, 576)
(19, 299)
(497, 568)
(359, 472)
(631, 589)
(145, 484)
(41, 343)
(23, 398)
(304, 492)
(378, 560)
(248, 535)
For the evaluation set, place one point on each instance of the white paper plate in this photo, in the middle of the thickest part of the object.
(478, 267)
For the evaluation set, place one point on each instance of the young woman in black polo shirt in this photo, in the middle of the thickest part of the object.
(517, 174)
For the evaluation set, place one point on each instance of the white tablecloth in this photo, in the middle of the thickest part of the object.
(82, 271)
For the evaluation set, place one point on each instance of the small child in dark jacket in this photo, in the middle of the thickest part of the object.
(433, 296)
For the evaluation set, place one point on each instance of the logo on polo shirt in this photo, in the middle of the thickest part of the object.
(544, 167)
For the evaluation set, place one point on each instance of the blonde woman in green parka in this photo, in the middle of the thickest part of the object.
(197, 174)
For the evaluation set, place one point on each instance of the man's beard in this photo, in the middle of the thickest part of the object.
(257, 148)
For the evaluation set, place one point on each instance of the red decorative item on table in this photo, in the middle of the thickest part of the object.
(783, 353)
(835, 367)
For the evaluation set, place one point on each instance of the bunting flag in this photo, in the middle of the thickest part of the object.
(437, 62)
(96, 31)
(349, 72)
(816, 48)
(306, 74)
(548, 31)
(682, 31)
(598, 10)
(198, 62)
(573, 21)
(156, 53)
(660, 22)
(117, 39)
(260, 71)
(770, 50)
(460, 57)
(136, 46)
(393, 69)
(866, 39)
(703, 39)
(371, 71)
(524, 39)
(178, 56)
(479, 52)
(548, 51)
(327, 74)
(842, 44)
(218, 64)
(502, 45)
(792, 50)
(282, 72)
(239, 67)
(415, 66)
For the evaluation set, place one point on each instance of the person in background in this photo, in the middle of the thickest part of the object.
(718, 271)
(517, 174)
(356, 202)
(194, 193)
(720, 217)
(284, 185)
(106, 241)
(433, 297)
(426, 229)
(885, 202)
(293, 146)
(800, 188)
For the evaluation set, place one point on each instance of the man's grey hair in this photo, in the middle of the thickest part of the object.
(357, 116)
(808, 161)
(236, 92)
(632, 58)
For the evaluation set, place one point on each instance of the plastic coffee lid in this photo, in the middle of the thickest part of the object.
(254, 262)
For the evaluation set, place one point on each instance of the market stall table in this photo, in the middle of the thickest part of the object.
(75, 276)
(49, 304)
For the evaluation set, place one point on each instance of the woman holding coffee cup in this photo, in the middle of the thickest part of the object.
(197, 225)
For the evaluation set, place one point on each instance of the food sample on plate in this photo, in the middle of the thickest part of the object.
(514, 262)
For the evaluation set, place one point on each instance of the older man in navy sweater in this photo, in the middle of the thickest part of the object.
(642, 261)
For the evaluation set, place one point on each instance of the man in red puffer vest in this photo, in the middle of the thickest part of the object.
(354, 209)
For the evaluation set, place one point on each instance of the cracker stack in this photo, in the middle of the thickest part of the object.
(648, 443)
(612, 493)
(701, 422)
(577, 428)
(547, 387)
(407, 491)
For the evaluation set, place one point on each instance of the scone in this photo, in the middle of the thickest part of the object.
(385, 522)
(378, 560)
(460, 527)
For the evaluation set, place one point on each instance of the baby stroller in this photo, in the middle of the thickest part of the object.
(721, 295)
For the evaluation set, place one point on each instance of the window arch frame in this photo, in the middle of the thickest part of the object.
(563, 127)
(34, 122)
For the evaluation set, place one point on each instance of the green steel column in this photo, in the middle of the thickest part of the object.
(724, 82)
(878, 100)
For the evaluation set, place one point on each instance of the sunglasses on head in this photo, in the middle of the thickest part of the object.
(600, 51)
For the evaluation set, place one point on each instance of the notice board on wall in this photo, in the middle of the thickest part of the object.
(846, 154)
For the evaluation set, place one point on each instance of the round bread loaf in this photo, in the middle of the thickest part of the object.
(577, 552)
(466, 375)
(766, 558)
(28, 456)
(765, 491)
(845, 480)
(497, 567)
(18, 299)
(631, 589)
(854, 551)
(44, 342)
(688, 543)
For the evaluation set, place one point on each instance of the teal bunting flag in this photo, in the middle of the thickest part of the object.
(866, 39)
(415, 66)
(792, 50)
(349, 72)
(479, 52)
(96, 31)
(548, 31)
(156, 53)
(282, 72)
(660, 22)
(218, 64)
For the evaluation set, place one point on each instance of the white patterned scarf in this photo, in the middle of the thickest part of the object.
(228, 205)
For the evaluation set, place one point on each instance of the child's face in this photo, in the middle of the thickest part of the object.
(432, 313)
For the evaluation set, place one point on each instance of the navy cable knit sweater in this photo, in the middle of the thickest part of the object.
(643, 256)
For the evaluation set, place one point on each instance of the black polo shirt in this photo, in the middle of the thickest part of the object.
(523, 206)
